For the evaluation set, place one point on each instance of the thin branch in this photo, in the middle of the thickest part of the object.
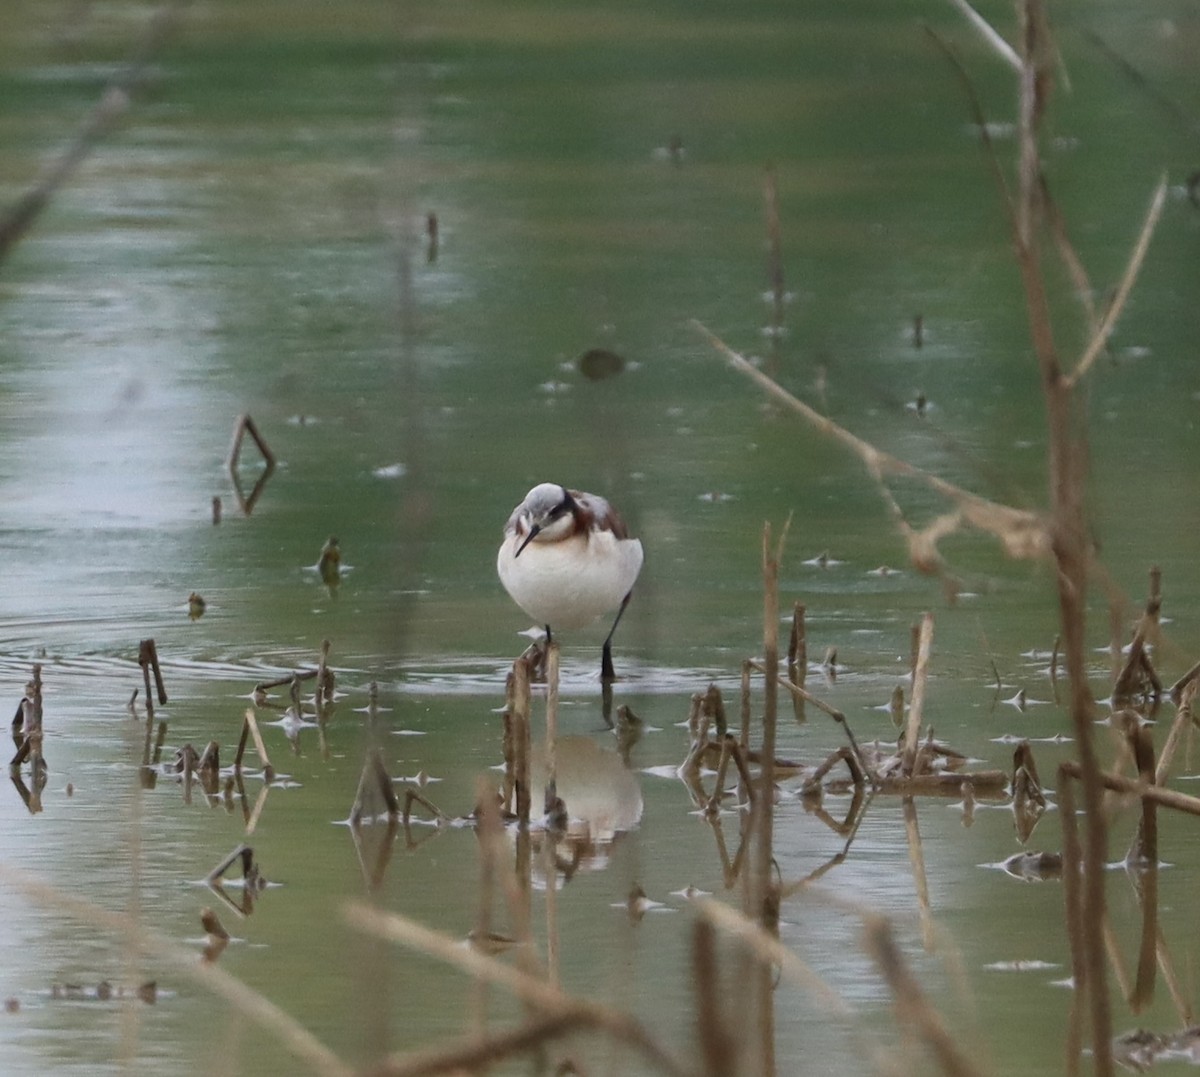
(992, 36)
(1100, 337)
(1022, 533)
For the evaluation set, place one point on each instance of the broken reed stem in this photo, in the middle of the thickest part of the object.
(287, 678)
(242, 426)
(530, 989)
(250, 730)
(917, 706)
(820, 704)
(521, 739)
(797, 658)
(320, 693)
(913, 1009)
(148, 656)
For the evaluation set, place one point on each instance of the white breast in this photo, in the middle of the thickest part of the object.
(568, 584)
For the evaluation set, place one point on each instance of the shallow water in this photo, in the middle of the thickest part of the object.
(251, 240)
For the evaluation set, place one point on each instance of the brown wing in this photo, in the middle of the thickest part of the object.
(593, 510)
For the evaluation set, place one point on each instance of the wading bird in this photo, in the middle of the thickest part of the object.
(566, 559)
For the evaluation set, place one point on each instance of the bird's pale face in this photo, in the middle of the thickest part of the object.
(547, 515)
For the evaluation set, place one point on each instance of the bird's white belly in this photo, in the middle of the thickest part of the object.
(569, 584)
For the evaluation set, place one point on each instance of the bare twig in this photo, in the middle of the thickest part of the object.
(992, 36)
(1022, 533)
(113, 104)
(912, 1007)
(1113, 312)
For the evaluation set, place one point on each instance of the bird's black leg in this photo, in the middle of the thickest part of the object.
(607, 673)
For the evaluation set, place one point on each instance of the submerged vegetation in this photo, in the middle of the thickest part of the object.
(560, 806)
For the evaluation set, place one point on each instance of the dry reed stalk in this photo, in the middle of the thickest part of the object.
(488, 830)
(999, 45)
(287, 678)
(763, 893)
(415, 796)
(1183, 720)
(250, 731)
(821, 705)
(323, 693)
(1178, 687)
(913, 1009)
(148, 660)
(1073, 914)
(769, 951)
(531, 989)
(1143, 991)
(521, 739)
(1165, 798)
(798, 646)
(1067, 462)
(260, 802)
(717, 1046)
(374, 778)
(916, 860)
(812, 784)
(247, 1002)
(477, 1052)
(747, 666)
(714, 802)
(916, 705)
(1022, 533)
(1179, 997)
(1117, 305)
(242, 426)
(1145, 850)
